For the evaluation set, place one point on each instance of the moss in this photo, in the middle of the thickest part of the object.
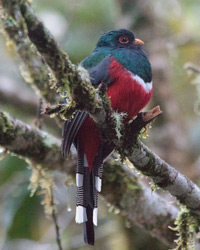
(153, 186)
(144, 132)
(4, 123)
(119, 126)
(114, 174)
(29, 139)
(41, 178)
(9, 22)
(7, 134)
(187, 226)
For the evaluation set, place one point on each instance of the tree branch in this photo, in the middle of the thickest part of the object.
(25, 103)
(35, 71)
(69, 77)
(77, 82)
(20, 25)
(166, 177)
(151, 211)
(33, 144)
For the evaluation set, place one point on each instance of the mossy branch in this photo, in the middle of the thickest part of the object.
(33, 144)
(69, 76)
(44, 150)
(166, 177)
(34, 69)
(76, 82)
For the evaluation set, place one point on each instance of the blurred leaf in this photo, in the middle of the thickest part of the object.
(9, 166)
(25, 223)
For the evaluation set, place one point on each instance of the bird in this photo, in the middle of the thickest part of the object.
(120, 63)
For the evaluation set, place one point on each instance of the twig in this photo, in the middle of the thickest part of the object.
(53, 110)
(54, 217)
(192, 67)
(39, 118)
(152, 114)
(134, 129)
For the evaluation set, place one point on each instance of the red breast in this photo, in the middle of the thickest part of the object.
(128, 94)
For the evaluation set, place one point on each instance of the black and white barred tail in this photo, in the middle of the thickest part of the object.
(88, 182)
(88, 185)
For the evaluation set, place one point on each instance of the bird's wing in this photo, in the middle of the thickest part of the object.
(98, 74)
(70, 131)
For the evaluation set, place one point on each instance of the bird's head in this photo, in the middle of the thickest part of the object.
(121, 38)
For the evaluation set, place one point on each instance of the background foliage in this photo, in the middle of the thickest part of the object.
(170, 30)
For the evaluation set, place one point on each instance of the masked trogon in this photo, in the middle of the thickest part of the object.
(119, 62)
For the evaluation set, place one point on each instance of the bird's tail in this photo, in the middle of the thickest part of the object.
(88, 185)
(91, 195)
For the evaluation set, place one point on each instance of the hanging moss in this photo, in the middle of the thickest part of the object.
(187, 226)
(41, 179)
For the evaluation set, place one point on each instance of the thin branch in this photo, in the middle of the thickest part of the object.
(55, 220)
(9, 90)
(151, 211)
(192, 67)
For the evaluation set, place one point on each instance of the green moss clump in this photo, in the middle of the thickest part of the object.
(187, 226)
(4, 123)
(113, 175)
(153, 186)
(6, 131)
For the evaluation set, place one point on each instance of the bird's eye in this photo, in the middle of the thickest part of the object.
(123, 39)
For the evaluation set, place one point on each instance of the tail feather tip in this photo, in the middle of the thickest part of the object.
(81, 215)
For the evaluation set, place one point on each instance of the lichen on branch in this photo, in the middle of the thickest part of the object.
(21, 139)
(70, 78)
(33, 68)
(21, 23)
(76, 82)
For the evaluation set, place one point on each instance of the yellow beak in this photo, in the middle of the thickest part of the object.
(138, 41)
